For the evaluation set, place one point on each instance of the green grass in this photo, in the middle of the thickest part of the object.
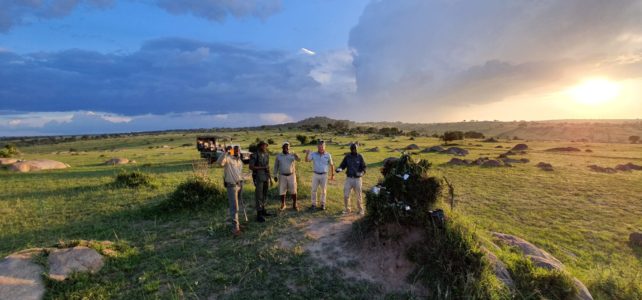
(581, 217)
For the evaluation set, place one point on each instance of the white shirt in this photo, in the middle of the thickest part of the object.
(321, 162)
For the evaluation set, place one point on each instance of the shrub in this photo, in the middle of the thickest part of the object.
(194, 193)
(9, 151)
(134, 179)
(406, 196)
(303, 139)
(270, 142)
(452, 135)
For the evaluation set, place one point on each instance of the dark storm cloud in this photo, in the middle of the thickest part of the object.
(17, 12)
(170, 75)
(482, 51)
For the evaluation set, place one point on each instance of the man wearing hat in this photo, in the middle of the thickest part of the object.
(233, 179)
(259, 164)
(285, 174)
(321, 165)
(356, 168)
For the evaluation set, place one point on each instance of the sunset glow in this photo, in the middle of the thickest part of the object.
(594, 91)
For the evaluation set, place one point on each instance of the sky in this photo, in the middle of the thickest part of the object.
(100, 66)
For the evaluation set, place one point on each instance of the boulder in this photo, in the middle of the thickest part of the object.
(456, 151)
(118, 161)
(599, 169)
(499, 146)
(491, 163)
(520, 147)
(499, 268)
(20, 277)
(540, 258)
(457, 162)
(588, 150)
(63, 262)
(37, 165)
(433, 149)
(628, 167)
(412, 147)
(545, 166)
(635, 238)
(7, 161)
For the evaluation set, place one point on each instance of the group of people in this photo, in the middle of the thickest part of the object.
(284, 174)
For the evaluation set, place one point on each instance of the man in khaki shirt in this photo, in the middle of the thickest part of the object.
(285, 174)
(233, 178)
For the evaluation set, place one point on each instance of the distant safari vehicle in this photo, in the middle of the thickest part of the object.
(211, 148)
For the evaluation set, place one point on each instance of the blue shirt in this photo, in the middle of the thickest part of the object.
(321, 162)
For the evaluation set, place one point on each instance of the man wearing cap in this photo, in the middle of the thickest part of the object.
(356, 168)
(259, 164)
(321, 164)
(233, 179)
(285, 174)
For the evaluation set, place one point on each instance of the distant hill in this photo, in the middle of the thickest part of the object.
(608, 131)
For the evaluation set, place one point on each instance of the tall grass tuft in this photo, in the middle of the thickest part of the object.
(134, 179)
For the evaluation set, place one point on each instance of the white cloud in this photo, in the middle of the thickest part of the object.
(307, 51)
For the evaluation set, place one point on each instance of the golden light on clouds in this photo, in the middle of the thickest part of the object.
(594, 91)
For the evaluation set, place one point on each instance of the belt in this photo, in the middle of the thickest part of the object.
(227, 184)
(354, 176)
(320, 173)
(286, 175)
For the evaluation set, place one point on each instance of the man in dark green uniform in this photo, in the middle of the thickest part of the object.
(259, 164)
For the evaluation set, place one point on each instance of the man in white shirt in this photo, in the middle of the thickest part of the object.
(233, 179)
(321, 165)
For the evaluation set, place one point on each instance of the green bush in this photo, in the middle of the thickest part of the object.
(134, 179)
(9, 151)
(194, 193)
(404, 200)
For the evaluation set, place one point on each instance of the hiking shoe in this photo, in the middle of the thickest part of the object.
(362, 212)
(295, 208)
(322, 207)
(260, 219)
(312, 208)
(346, 211)
(236, 232)
(283, 205)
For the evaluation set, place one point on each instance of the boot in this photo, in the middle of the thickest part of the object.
(259, 217)
(265, 213)
(282, 202)
(294, 206)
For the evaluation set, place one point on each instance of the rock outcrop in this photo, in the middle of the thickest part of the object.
(37, 165)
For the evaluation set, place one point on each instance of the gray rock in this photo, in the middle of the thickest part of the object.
(63, 262)
(520, 147)
(20, 278)
(499, 268)
(635, 238)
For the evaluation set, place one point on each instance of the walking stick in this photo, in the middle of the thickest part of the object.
(243, 203)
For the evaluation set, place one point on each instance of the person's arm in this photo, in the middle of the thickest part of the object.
(343, 164)
(296, 157)
(307, 156)
(331, 167)
(253, 159)
(221, 160)
(276, 168)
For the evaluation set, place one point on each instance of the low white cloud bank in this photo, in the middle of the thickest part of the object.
(88, 122)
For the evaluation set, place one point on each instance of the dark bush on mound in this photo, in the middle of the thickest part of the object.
(134, 179)
(194, 193)
(407, 194)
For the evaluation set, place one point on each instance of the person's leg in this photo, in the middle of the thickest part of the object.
(359, 196)
(323, 183)
(232, 197)
(266, 187)
(292, 187)
(346, 196)
(315, 185)
(259, 201)
(283, 186)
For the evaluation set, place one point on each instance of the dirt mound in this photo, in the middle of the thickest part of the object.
(599, 169)
(118, 161)
(375, 149)
(499, 146)
(433, 149)
(563, 149)
(379, 257)
(520, 147)
(412, 147)
(490, 140)
(456, 151)
(37, 165)
(458, 162)
(545, 166)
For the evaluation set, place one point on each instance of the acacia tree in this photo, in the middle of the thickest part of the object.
(452, 136)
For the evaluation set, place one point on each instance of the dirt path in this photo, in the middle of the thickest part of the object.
(381, 261)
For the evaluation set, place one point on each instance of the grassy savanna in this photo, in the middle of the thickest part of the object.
(580, 216)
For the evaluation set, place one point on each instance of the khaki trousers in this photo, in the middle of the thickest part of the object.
(352, 184)
(319, 181)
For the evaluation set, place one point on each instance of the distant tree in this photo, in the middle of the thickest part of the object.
(634, 139)
(390, 131)
(435, 135)
(473, 135)
(303, 139)
(413, 133)
(452, 136)
(341, 126)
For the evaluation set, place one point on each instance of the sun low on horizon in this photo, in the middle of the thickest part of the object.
(594, 91)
